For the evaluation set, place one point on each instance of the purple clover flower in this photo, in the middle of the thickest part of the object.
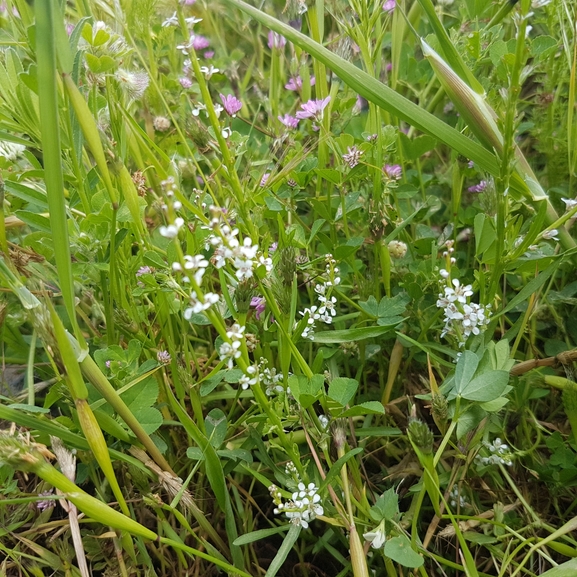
(393, 171)
(144, 270)
(275, 40)
(313, 109)
(44, 504)
(478, 187)
(289, 121)
(185, 82)
(231, 104)
(296, 83)
(208, 54)
(199, 42)
(163, 357)
(264, 179)
(259, 304)
(389, 5)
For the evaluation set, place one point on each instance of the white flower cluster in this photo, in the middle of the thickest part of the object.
(260, 373)
(170, 207)
(462, 317)
(302, 508)
(245, 257)
(229, 351)
(499, 454)
(456, 498)
(326, 309)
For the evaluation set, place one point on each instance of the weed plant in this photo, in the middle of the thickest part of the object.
(288, 289)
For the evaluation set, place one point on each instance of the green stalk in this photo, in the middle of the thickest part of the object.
(93, 373)
(50, 129)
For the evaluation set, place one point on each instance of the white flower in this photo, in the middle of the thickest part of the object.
(570, 203)
(208, 71)
(171, 21)
(551, 234)
(328, 306)
(377, 537)
(171, 230)
(135, 83)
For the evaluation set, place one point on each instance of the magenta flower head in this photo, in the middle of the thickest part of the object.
(231, 104)
(478, 187)
(275, 40)
(289, 121)
(389, 5)
(313, 109)
(259, 304)
(199, 42)
(393, 171)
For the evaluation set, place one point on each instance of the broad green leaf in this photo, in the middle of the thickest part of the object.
(34, 220)
(305, 390)
(466, 367)
(342, 390)
(568, 569)
(486, 387)
(399, 550)
(367, 408)
(150, 419)
(349, 335)
(216, 426)
(469, 420)
(386, 507)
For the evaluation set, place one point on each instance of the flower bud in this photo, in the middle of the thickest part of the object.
(397, 249)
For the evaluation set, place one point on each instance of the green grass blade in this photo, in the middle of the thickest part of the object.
(48, 100)
(449, 51)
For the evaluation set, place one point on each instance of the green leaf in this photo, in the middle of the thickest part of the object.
(28, 408)
(568, 569)
(142, 395)
(284, 550)
(399, 550)
(317, 225)
(150, 419)
(349, 335)
(466, 367)
(386, 507)
(486, 387)
(152, 258)
(305, 390)
(469, 420)
(34, 220)
(367, 408)
(342, 390)
(533, 286)
(258, 535)
(216, 426)
(388, 310)
(337, 466)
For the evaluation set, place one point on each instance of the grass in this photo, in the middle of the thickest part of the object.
(288, 290)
